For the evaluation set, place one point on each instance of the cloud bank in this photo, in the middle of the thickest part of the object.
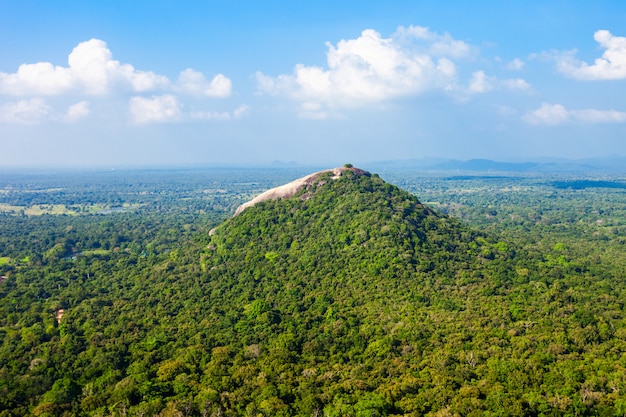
(77, 111)
(556, 114)
(35, 111)
(92, 70)
(25, 112)
(194, 82)
(166, 108)
(610, 66)
(371, 68)
(155, 109)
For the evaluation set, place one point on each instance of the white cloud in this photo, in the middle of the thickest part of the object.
(371, 68)
(316, 111)
(610, 66)
(154, 110)
(77, 111)
(515, 84)
(39, 78)
(434, 43)
(27, 112)
(194, 82)
(600, 116)
(515, 65)
(481, 83)
(210, 115)
(36, 110)
(241, 111)
(92, 65)
(555, 114)
(547, 114)
(92, 70)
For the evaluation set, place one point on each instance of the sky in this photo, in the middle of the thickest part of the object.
(231, 83)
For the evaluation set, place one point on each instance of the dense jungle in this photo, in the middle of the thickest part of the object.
(395, 293)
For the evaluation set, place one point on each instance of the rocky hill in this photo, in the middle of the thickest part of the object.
(351, 288)
(293, 187)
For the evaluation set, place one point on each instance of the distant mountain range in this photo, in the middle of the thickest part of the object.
(612, 164)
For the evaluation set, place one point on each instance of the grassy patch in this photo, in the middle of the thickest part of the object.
(73, 210)
(37, 210)
(40, 209)
(4, 260)
(7, 208)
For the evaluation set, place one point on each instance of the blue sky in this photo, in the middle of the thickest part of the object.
(119, 83)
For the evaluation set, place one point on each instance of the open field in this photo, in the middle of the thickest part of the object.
(62, 209)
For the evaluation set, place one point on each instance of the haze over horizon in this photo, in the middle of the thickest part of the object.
(232, 82)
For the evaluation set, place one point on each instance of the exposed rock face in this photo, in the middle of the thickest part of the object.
(292, 188)
(58, 315)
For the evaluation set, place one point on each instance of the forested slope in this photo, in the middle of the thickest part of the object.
(349, 298)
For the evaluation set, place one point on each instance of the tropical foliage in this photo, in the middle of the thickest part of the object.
(350, 299)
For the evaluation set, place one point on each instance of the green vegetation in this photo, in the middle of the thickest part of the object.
(350, 299)
(582, 184)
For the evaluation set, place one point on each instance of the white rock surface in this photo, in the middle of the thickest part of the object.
(292, 188)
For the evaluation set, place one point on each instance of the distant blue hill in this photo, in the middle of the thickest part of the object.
(613, 164)
(489, 165)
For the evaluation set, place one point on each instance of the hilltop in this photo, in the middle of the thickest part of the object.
(293, 187)
(338, 216)
(345, 284)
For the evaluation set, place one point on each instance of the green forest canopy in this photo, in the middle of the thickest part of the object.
(351, 298)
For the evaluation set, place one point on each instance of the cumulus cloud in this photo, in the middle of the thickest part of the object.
(156, 109)
(432, 43)
(41, 78)
(194, 82)
(36, 110)
(610, 66)
(27, 112)
(77, 111)
(515, 84)
(547, 114)
(481, 83)
(371, 68)
(92, 70)
(515, 65)
(555, 114)
(600, 116)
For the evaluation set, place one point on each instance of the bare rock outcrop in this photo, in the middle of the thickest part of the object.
(292, 188)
